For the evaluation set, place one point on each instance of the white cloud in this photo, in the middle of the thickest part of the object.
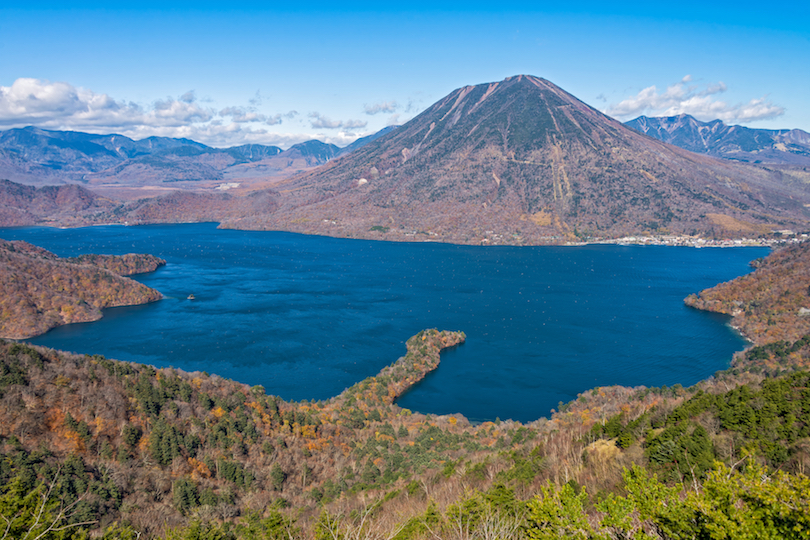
(319, 121)
(189, 97)
(696, 100)
(354, 124)
(381, 107)
(62, 106)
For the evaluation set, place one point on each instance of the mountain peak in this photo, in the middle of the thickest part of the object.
(526, 159)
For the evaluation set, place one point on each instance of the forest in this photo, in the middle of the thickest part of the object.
(42, 291)
(96, 448)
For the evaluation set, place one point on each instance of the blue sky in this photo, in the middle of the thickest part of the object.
(280, 75)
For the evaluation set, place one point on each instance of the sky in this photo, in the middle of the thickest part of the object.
(226, 74)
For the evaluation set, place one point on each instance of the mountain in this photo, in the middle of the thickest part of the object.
(68, 156)
(120, 167)
(307, 154)
(729, 142)
(522, 161)
(362, 141)
(513, 162)
(67, 205)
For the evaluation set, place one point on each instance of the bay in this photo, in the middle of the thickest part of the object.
(308, 316)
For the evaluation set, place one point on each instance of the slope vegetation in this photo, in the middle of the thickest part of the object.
(770, 304)
(127, 451)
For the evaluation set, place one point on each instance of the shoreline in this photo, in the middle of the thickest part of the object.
(787, 237)
(616, 242)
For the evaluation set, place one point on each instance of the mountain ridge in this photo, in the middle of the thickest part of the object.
(124, 168)
(715, 138)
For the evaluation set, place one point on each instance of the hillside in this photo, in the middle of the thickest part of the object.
(122, 168)
(771, 304)
(134, 452)
(522, 161)
(66, 205)
(72, 205)
(784, 146)
(42, 291)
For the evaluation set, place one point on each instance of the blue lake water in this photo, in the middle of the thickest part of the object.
(308, 316)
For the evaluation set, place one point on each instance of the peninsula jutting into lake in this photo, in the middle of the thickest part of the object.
(308, 316)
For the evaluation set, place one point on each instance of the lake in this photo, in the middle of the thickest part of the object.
(307, 316)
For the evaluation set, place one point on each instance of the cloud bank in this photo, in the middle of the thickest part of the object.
(47, 104)
(699, 101)
(62, 106)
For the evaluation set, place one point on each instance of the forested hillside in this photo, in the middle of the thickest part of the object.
(99, 447)
(770, 304)
(41, 291)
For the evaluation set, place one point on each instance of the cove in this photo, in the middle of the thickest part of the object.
(308, 316)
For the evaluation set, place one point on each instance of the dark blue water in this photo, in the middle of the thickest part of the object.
(307, 316)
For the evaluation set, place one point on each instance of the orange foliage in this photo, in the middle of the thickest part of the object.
(199, 469)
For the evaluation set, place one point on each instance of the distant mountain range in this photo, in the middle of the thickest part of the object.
(114, 163)
(522, 161)
(729, 142)
(518, 161)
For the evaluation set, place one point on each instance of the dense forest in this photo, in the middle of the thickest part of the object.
(41, 290)
(93, 447)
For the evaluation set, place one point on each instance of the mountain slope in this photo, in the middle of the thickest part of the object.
(730, 142)
(120, 167)
(67, 205)
(522, 161)
(362, 141)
